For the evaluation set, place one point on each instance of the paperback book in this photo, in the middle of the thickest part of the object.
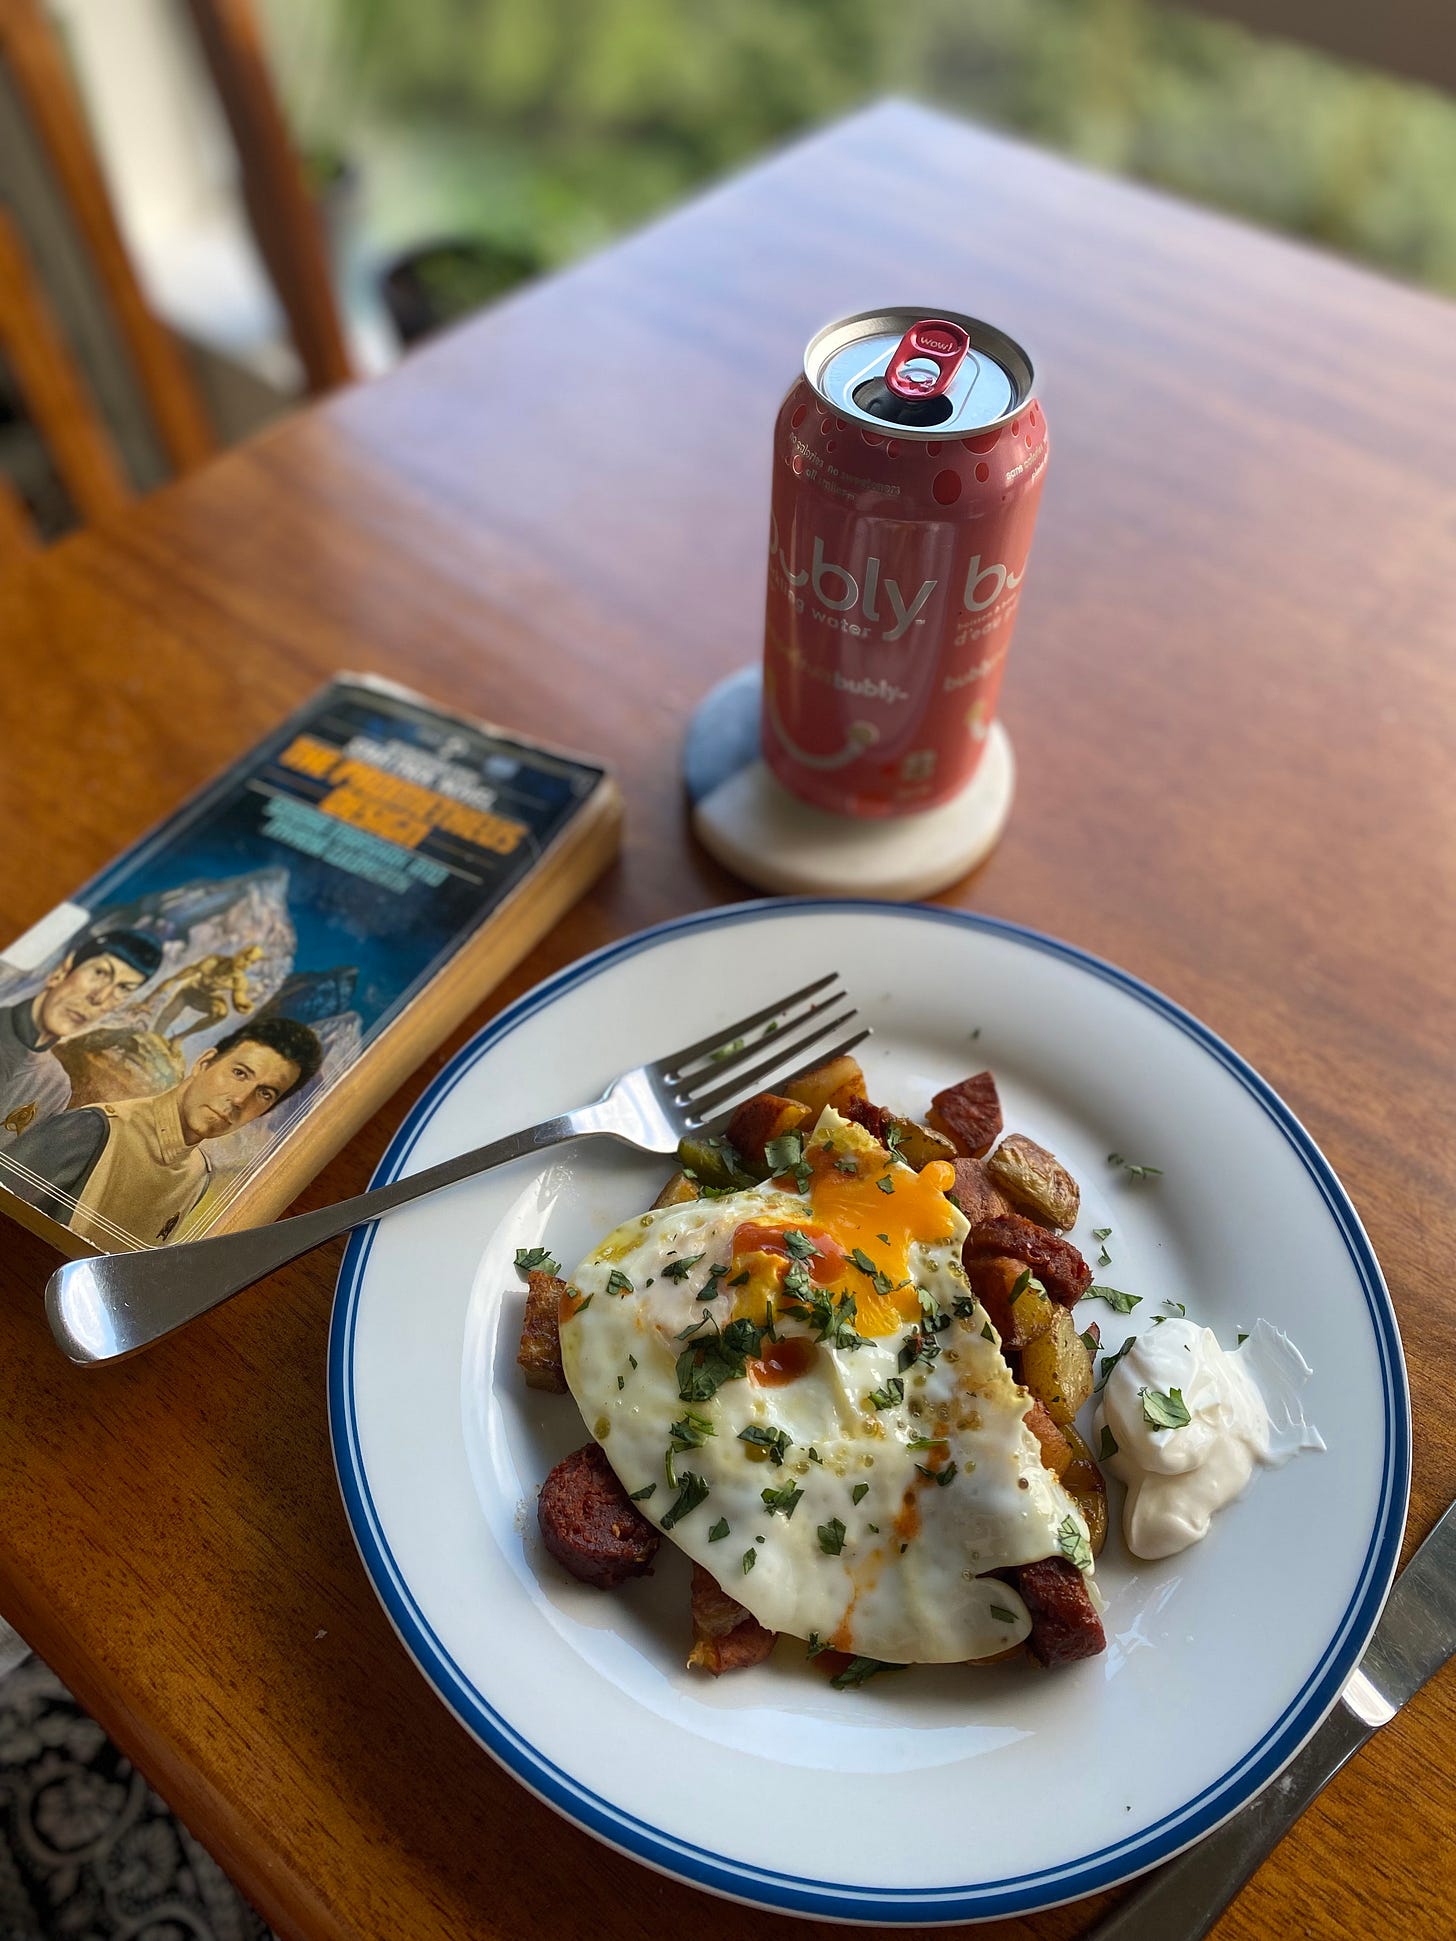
(193, 1034)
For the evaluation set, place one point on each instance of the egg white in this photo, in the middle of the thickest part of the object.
(908, 1584)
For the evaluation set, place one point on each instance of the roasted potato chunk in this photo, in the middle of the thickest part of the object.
(918, 1145)
(1057, 1368)
(726, 1637)
(1087, 1487)
(969, 1114)
(840, 1078)
(1035, 1181)
(539, 1354)
(1056, 1451)
(678, 1189)
(759, 1121)
(976, 1193)
(1020, 1308)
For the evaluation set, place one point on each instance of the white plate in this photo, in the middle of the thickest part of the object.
(937, 1795)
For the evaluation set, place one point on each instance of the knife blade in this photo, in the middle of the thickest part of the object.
(1415, 1637)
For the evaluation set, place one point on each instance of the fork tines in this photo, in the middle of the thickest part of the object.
(783, 1031)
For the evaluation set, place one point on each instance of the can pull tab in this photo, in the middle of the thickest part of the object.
(927, 358)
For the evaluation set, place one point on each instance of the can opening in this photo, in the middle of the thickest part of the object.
(876, 397)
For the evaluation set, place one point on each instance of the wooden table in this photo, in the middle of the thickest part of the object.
(1233, 692)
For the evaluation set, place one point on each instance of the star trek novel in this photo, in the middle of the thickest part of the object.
(187, 1041)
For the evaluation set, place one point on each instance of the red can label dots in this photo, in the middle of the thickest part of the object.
(908, 464)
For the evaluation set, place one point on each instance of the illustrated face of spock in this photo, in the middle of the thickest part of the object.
(229, 1089)
(77, 996)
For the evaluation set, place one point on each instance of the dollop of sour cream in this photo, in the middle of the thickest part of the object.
(1243, 1410)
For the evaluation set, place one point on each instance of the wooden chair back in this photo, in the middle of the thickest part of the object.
(56, 399)
(37, 67)
(281, 212)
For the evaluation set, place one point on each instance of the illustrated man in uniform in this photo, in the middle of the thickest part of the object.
(133, 1170)
(101, 972)
(209, 988)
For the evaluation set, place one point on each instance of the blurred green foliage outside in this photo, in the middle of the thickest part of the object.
(549, 125)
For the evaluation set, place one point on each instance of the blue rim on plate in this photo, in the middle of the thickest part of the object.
(803, 1895)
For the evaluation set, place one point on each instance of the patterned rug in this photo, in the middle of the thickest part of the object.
(87, 1850)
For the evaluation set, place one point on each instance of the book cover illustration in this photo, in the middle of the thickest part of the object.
(163, 1033)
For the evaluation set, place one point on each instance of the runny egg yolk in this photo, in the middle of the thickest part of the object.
(861, 1233)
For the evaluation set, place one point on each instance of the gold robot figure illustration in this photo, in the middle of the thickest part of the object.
(209, 989)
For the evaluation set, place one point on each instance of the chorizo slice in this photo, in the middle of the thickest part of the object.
(1055, 1262)
(590, 1525)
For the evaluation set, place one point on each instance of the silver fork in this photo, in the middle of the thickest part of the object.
(113, 1304)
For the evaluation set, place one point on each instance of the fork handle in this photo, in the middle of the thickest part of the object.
(1181, 1901)
(109, 1306)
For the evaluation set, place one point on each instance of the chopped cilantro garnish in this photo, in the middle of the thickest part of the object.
(776, 1441)
(618, 1283)
(919, 1345)
(1114, 1297)
(859, 1492)
(800, 1246)
(1243, 1337)
(1107, 1448)
(719, 1530)
(530, 1260)
(740, 1280)
(783, 1501)
(692, 1431)
(750, 1558)
(641, 1495)
(848, 1164)
(786, 1155)
(1168, 1411)
(816, 1644)
(894, 1134)
(1134, 1171)
(743, 1337)
(886, 1185)
(621, 1381)
(1000, 1611)
(678, 1270)
(831, 1537)
(890, 1395)
(703, 1368)
(988, 1333)
(1073, 1544)
(1025, 1281)
(693, 1491)
(928, 1442)
(858, 1670)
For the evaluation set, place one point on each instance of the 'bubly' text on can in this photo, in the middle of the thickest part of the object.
(908, 463)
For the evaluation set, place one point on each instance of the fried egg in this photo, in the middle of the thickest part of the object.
(796, 1383)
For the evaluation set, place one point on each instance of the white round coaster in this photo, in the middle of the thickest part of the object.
(751, 823)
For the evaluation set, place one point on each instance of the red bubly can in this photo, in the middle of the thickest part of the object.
(908, 463)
